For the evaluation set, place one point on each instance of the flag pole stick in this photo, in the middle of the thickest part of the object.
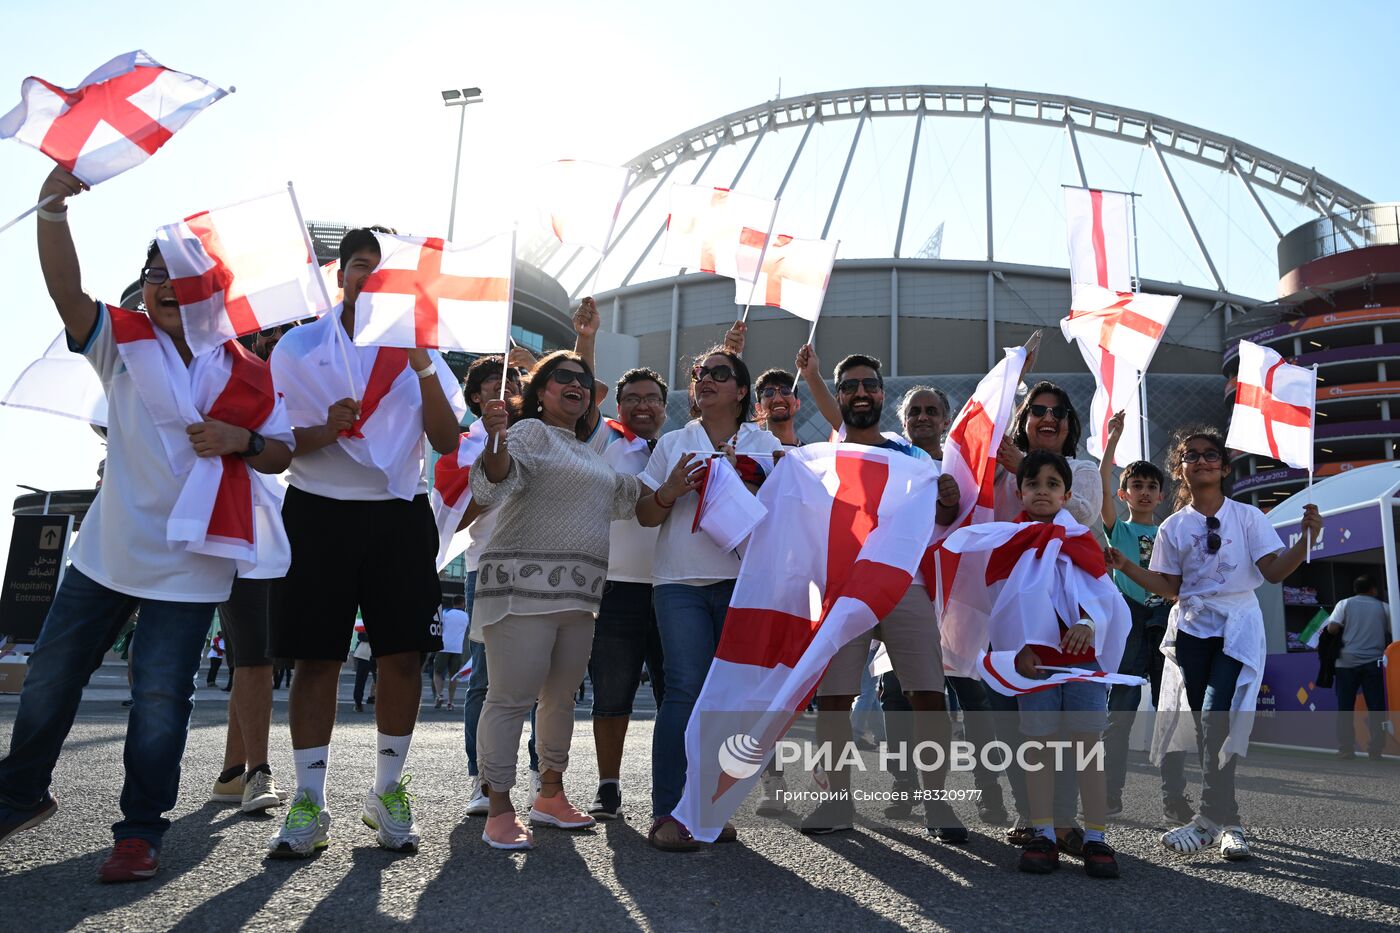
(1143, 438)
(28, 212)
(753, 286)
(1312, 455)
(510, 316)
(321, 281)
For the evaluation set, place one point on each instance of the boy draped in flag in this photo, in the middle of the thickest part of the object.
(172, 523)
(909, 631)
(357, 514)
(1055, 607)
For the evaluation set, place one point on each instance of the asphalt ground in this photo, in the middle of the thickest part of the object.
(883, 875)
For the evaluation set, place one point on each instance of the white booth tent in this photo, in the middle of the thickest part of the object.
(1358, 511)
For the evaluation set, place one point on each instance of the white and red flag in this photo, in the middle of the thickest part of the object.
(998, 670)
(451, 493)
(794, 276)
(60, 382)
(466, 670)
(970, 457)
(115, 120)
(1117, 334)
(1100, 250)
(846, 525)
(217, 512)
(240, 269)
(717, 230)
(1275, 405)
(579, 201)
(428, 293)
(727, 511)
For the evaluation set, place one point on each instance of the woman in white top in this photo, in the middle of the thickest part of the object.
(694, 579)
(540, 582)
(1210, 555)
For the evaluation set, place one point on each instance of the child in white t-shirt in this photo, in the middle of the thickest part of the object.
(1211, 554)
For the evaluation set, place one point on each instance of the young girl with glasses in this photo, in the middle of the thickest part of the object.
(1211, 555)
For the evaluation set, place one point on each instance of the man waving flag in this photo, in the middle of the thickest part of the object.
(115, 120)
(847, 526)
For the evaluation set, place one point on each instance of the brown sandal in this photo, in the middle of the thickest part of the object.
(728, 834)
(668, 835)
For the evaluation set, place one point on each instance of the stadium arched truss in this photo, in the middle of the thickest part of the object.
(1280, 193)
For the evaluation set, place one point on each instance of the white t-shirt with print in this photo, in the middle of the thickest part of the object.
(683, 556)
(1182, 549)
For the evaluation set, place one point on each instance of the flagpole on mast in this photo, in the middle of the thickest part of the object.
(1312, 455)
(510, 317)
(36, 207)
(753, 286)
(321, 281)
(1144, 440)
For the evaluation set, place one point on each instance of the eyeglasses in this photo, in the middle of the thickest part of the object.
(632, 401)
(1060, 412)
(720, 373)
(771, 391)
(870, 384)
(1213, 529)
(155, 275)
(1209, 456)
(566, 376)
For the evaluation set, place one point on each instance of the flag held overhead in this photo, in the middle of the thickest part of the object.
(1274, 406)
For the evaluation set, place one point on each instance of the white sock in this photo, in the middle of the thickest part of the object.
(603, 781)
(311, 771)
(388, 764)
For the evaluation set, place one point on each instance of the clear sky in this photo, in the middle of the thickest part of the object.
(343, 99)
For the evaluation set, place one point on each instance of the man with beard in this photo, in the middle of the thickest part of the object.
(776, 405)
(909, 631)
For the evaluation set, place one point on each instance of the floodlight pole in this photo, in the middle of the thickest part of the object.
(458, 98)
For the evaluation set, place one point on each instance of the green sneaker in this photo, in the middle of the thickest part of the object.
(305, 830)
(390, 815)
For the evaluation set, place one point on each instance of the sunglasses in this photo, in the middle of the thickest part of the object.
(1060, 412)
(720, 373)
(1209, 456)
(933, 411)
(1213, 530)
(773, 391)
(155, 275)
(565, 376)
(869, 384)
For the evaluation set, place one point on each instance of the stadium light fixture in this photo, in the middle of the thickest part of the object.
(455, 97)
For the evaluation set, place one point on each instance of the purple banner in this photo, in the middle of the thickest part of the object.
(1342, 533)
(1246, 483)
(1289, 687)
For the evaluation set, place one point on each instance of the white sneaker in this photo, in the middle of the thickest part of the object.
(479, 804)
(259, 793)
(306, 829)
(534, 789)
(1233, 845)
(390, 815)
(1200, 833)
(774, 799)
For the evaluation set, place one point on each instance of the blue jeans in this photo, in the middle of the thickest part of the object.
(1141, 656)
(81, 625)
(1210, 675)
(477, 682)
(1371, 682)
(690, 619)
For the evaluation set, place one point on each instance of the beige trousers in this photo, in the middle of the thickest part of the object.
(529, 657)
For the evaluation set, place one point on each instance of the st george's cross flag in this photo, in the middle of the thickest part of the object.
(727, 512)
(1100, 249)
(1117, 334)
(451, 493)
(847, 526)
(998, 670)
(1274, 411)
(428, 293)
(717, 230)
(465, 670)
(578, 202)
(114, 120)
(216, 513)
(240, 269)
(794, 276)
(60, 382)
(970, 457)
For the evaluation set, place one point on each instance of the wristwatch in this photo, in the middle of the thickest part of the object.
(256, 443)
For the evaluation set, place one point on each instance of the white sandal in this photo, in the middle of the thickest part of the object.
(1196, 835)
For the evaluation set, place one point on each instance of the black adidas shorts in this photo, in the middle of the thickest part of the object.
(378, 557)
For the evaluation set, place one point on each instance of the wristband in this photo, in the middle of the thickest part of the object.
(54, 217)
(425, 372)
(656, 497)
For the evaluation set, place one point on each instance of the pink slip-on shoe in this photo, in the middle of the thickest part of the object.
(558, 812)
(505, 831)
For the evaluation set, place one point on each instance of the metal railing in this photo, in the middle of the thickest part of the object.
(1368, 225)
